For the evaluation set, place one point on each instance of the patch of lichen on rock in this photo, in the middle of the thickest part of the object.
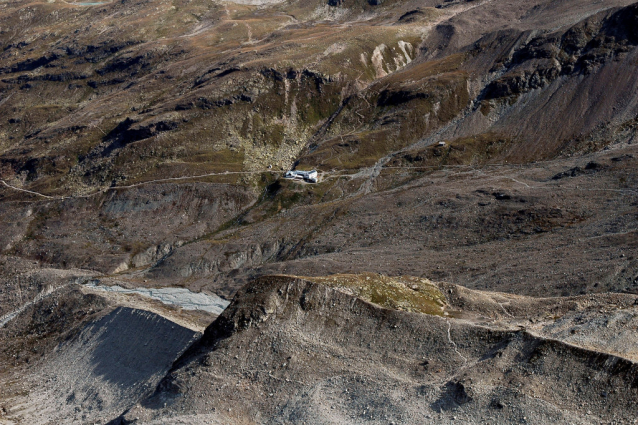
(406, 293)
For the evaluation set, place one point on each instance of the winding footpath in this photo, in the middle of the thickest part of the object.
(42, 295)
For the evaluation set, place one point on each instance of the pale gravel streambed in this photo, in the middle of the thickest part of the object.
(180, 297)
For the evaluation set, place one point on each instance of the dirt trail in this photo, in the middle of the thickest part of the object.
(102, 190)
(42, 295)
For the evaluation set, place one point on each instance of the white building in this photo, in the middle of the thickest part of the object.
(308, 176)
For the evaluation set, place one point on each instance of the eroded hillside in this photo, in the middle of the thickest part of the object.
(347, 361)
(145, 132)
(116, 93)
(490, 144)
(346, 348)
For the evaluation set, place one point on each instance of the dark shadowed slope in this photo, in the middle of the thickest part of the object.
(84, 368)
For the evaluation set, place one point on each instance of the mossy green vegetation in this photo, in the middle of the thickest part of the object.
(406, 293)
(282, 194)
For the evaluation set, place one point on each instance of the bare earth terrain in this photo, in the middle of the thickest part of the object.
(468, 255)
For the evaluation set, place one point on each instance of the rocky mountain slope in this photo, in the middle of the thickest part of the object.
(292, 351)
(490, 144)
(337, 349)
(145, 144)
(190, 88)
(80, 356)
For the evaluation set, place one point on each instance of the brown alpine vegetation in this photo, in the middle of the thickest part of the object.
(468, 253)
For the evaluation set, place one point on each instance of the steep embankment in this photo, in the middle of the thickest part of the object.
(78, 357)
(292, 351)
(112, 362)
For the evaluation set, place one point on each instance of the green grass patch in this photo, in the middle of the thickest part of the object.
(405, 293)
